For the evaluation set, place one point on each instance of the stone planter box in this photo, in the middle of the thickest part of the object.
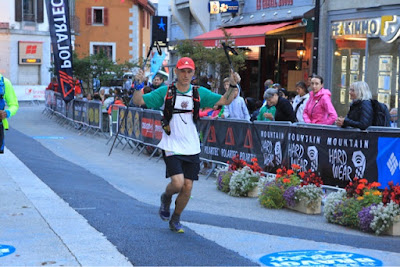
(394, 229)
(254, 192)
(303, 208)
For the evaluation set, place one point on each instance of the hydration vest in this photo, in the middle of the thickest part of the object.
(169, 105)
(2, 92)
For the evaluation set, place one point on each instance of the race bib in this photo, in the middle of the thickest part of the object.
(183, 102)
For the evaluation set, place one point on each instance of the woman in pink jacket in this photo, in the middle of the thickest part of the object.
(319, 108)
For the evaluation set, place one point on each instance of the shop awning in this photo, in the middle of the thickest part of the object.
(253, 35)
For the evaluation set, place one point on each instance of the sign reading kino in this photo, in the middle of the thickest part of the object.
(386, 27)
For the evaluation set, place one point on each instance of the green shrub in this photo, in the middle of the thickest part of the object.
(271, 196)
(346, 213)
(226, 178)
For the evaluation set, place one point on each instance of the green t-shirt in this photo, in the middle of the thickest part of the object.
(155, 99)
(266, 109)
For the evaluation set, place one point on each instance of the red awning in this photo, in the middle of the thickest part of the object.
(242, 36)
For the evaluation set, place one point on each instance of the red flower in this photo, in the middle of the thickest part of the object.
(296, 167)
(290, 172)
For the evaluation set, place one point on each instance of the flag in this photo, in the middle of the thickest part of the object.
(156, 63)
(60, 34)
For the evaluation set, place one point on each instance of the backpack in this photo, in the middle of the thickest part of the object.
(381, 115)
(170, 103)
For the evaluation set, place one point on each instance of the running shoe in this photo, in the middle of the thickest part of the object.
(164, 208)
(176, 226)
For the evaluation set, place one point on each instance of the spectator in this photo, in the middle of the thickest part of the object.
(102, 95)
(251, 104)
(277, 86)
(96, 96)
(268, 84)
(254, 115)
(109, 99)
(211, 112)
(319, 108)
(49, 93)
(393, 117)
(361, 112)
(267, 113)
(203, 81)
(283, 93)
(77, 88)
(158, 81)
(53, 85)
(117, 103)
(87, 97)
(237, 109)
(127, 83)
(300, 101)
(284, 110)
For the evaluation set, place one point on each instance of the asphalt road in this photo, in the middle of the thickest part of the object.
(119, 197)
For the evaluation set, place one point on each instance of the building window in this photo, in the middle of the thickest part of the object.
(29, 10)
(105, 49)
(108, 49)
(97, 16)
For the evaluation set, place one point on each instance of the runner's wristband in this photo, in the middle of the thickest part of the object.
(139, 86)
(232, 86)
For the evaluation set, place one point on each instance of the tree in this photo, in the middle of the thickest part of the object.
(212, 61)
(101, 67)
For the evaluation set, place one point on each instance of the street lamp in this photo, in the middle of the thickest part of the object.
(301, 52)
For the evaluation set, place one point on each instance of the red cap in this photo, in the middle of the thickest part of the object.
(185, 63)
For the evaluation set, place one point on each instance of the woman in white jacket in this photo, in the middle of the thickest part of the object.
(300, 100)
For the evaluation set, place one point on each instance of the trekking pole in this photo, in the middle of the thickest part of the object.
(124, 117)
(226, 48)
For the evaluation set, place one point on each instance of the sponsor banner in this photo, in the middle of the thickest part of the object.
(94, 112)
(271, 144)
(216, 7)
(224, 139)
(79, 110)
(60, 104)
(134, 123)
(59, 25)
(151, 129)
(388, 160)
(335, 154)
(30, 92)
(70, 110)
(122, 112)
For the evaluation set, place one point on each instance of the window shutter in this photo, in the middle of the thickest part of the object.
(39, 11)
(89, 16)
(18, 10)
(143, 19)
(105, 16)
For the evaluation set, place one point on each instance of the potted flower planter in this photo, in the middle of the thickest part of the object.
(394, 229)
(302, 207)
(253, 192)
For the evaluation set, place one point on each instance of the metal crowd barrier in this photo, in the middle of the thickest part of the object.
(336, 154)
(85, 116)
